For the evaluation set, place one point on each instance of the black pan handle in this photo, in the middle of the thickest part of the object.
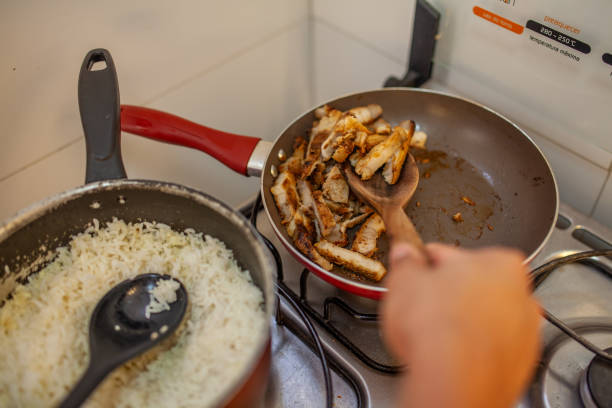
(99, 108)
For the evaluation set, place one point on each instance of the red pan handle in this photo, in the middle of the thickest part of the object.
(232, 150)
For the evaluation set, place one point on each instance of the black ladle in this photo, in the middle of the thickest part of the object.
(119, 330)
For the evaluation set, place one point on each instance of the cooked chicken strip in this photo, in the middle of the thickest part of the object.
(406, 124)
(354, 261)
(351, 222)
(323, 214)
(373, 140)
(419, 139)
(343, 210)
(393, 166)
(355, 157)
(337, 236)
(366, 114)
(344, 147)
(327, 123)
(317, 177)
(308, 205)
(367, 166)
(322, 111)
(335, 187)
(294, 163)
(381, 126)
(318, 135)
(303, 243)
(287, 200)
(366, 238)
(345, 144)
(305, 193)
(329, 144)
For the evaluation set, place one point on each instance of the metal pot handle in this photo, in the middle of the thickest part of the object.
(99, 108)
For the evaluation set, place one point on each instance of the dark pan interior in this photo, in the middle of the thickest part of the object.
(51, 224)
(472, 152)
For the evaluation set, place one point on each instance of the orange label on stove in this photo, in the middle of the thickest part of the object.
(499, 20)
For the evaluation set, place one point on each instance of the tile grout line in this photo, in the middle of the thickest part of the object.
(209, 69)
(244, 50)
(312, 78)
(40, 159)
(603, 187)
(354, 37)
(567, 149)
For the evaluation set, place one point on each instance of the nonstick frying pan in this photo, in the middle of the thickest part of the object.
(477, 163)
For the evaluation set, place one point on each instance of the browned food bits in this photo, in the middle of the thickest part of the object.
(467, 200)
(490, 227)
(458, 217)
(418, 203)
(427, 175)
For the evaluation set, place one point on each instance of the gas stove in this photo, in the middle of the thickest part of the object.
(364, 374)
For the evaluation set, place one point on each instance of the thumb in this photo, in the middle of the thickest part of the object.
(406, 258)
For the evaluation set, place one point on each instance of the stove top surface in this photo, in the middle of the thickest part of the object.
(364, 374)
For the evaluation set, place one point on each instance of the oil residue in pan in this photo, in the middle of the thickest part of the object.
(449, 185)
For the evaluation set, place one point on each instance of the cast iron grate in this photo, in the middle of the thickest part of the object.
(329, 306)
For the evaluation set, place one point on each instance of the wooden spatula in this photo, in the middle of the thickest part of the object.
(389, 201)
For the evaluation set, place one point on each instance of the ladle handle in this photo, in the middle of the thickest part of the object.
(96, 372)
(400, 229)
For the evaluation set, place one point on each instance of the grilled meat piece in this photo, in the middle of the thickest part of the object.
(381, 126)
(370, 268)
(393, 166)
(367, 166)
(294, 163)
(317, 177)
(366, 238)
(335, 187)
(303, 243)
(355, 157)
(418, 140)
(318, 135)
(322, 111)
(323, 215)
(366, 114)
(373, 140)
(285, 195)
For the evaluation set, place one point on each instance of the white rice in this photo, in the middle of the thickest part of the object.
(44, 327)
(162, 295)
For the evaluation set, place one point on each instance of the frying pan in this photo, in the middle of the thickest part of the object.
(477, 163)
(28, 239)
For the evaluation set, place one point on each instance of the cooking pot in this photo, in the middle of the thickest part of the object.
(27, 239)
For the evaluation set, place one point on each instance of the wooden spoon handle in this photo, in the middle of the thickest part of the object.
(400, 229)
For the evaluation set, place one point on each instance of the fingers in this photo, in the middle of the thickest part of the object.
(439, 253)
(403, 253)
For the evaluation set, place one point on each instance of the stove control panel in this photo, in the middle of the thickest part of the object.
(549, 61)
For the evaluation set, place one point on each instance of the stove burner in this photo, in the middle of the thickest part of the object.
(596, 383)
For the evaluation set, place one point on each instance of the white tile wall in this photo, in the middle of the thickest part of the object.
(385, 25)
(161, 50)
(156, 45)
(579, 181)
(344, 65)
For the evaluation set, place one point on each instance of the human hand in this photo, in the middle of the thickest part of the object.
(466, 326)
